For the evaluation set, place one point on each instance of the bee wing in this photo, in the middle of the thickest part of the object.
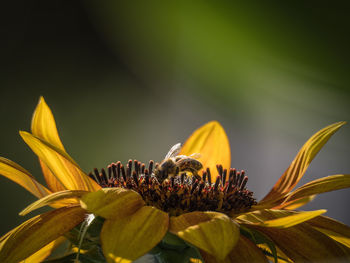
(196, 155)
(173, 151)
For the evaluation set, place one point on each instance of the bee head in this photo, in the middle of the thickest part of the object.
(165, 168)
(167, 164)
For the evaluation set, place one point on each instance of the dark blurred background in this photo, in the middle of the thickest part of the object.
(128, 79)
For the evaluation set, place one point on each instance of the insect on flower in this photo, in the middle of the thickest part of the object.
(174, 164)
(209, 211)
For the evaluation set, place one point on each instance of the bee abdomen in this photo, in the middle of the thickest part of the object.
(189, 164)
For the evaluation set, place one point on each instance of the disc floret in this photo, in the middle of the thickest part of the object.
(181, 193)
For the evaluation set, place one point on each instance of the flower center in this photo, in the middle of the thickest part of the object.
(180, 192)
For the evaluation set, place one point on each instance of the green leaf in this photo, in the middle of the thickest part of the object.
(173, 249)
(259, 238)
(172, 241)
(175, 256)
(92, 237)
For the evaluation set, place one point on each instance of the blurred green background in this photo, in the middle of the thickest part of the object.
(129, 79)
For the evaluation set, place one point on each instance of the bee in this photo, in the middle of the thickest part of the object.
(173, 164)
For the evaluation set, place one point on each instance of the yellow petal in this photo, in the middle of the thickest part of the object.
(246, 251)
(44, 127)
(50, 178)
(322, 185)
(66, 171)
(292, 205)
(300, 164)
(212, 232)
(332, 228)
(133, 236)
(292, 220)
(112, 203)
(195, 260)
(302, 243)
(119, 260)
(37, 232)
(212, 143)
(278, 218)
(207, 258)
(44, 252)
(22, 177)
(66, 195)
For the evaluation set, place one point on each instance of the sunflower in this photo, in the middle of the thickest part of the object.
(192, 201)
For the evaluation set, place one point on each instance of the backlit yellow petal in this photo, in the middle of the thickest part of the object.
(66, 171)
(292, 220)
(50, 178)
(44, 252)
(133, 236)
(112, 203)
(302, 243)
(37, 232)
(332, 228)
(66, 198)
(212, 143)
(22, 177)
(44, 127)
(322, 185)
(294, 204)
(212, 232)
(300, 164)
(195, 260)
(278, 218)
